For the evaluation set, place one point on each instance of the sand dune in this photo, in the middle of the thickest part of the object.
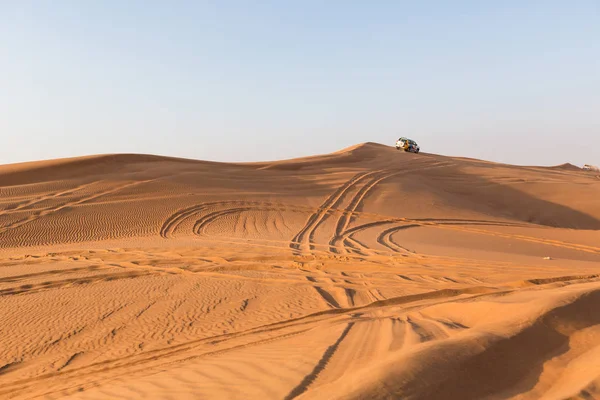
(365, 273)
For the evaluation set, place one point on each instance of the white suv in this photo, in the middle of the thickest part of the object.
(407, 145)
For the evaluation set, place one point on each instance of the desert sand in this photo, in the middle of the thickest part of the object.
(365, 273)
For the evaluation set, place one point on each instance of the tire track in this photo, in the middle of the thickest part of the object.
(49, 211)
(170, 225)
(172, 353)
(302, 240)
(385, 238)
(203, 223)
(336, 244)
(456, 225)
(325, 295)
(18, 278)
(38, 287)
(341, 241)
(23, 206)
(176, 219)
(311, 377)
(69, 361)
(550, 242)
(357, 247)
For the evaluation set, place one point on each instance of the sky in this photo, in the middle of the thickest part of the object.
(509, 81)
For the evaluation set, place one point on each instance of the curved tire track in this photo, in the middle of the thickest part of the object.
(337, 242)
(303, 238)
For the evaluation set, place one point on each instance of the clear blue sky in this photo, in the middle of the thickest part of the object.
(511, 81)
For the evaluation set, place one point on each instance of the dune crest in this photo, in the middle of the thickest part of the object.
(364, 273)
(567, 167)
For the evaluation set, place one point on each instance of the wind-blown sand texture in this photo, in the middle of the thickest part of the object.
(366, 273)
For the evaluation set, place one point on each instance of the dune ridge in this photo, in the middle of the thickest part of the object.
(363, 273)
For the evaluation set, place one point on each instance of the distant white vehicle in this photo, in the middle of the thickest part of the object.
(588, 167)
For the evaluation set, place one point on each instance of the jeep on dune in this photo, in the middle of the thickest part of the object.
(407, 145)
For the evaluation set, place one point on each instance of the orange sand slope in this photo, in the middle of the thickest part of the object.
(365, 273)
